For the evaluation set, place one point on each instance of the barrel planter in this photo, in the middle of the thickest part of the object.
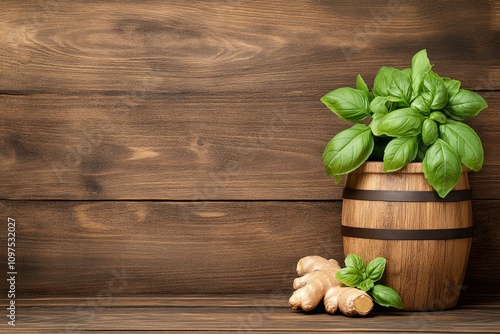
(425, 239)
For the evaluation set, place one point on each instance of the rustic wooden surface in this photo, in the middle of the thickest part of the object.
(212, 100)
(68, 247)
(266, 313)
(171, 147)
(238, 47)
(184, 148)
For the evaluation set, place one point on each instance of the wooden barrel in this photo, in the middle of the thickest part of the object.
(425, 239)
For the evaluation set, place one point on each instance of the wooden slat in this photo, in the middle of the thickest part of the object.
(163, 147)
(67, 248)
(276, 47)
(270, 315)
(176, 147)
(129, 248)
(272, 299)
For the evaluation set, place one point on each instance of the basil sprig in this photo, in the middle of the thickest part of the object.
(359, 275)
(411, 115)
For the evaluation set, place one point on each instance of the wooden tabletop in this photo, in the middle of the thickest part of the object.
(234, 313)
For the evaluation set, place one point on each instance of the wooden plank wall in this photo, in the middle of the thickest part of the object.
(175, 147)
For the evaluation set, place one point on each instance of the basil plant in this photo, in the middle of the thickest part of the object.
(410, 115)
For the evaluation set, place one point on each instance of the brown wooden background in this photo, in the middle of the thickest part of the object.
(175, 146)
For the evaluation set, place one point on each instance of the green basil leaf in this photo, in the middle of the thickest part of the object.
(379, 105)
(374, 123)
(438, 117)
(383, 81)
(465, 141)
(442, 167)
(452, 86)
(401, 86)
(348, 103)
(366, 285)
(398, 102)
(423, 102)
(465, 104)
(429, 132)
(420, 65)
(362, 86)
(404, 122)
(434, 84)
(348, 150)
(350, 276)
(386, 296)
(375, 269)
(353, 260)
(400, 152)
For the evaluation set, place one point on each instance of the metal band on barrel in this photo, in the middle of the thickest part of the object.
(406, 196)
(391, 234)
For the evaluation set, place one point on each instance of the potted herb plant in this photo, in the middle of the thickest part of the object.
(406, 195)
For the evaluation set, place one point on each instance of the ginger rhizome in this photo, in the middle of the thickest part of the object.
(317, 282)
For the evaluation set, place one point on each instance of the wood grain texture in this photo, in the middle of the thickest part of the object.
(156, 247)
(129, 248)
(178, 147)
(175, 147)
(224, 46)
(267, 313)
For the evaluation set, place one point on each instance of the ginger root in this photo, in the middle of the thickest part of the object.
(317, 282)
